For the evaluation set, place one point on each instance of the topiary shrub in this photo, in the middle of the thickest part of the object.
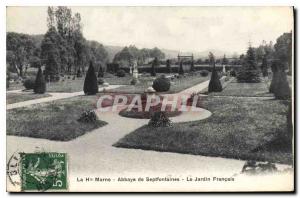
(100, 72)
(232, 73)
(100, 81)
(180, 70)
(159, 119)
(121, 73)
(29, 83)
(204, 73)
(161, 84)
(275, 66)
(79, 74)
(40, 83)
(282, 89)
(214, 83)
(274, 81)
(88, 117)
(133, 81)
(168, 65)
(90, 82)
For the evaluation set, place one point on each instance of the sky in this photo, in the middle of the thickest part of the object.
(197, 29)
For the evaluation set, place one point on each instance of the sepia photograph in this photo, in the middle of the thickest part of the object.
(150, 98)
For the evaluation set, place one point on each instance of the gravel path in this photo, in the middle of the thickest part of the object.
(54, 96)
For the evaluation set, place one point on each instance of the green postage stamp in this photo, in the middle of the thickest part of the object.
(43, 171)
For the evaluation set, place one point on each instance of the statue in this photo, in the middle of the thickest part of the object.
(135, 72)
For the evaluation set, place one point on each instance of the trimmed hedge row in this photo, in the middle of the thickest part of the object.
(164, 69)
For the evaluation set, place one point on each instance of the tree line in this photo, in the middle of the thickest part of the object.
(62, 49)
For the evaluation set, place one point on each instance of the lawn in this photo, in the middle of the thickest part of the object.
(178, 84)
(55, 120)
(20, 97)
(238, 128)
(15, 86)
(244, 90)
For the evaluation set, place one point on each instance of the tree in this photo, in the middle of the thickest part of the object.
(283, 49)
(50, 54)
(19, 48)
(224, 60)
(90, 82)
(249, 72)
(124, 56)
(40, 84)
(97, 52)
(180, 70)
(157, 53)
(214, 83)
(168, 65)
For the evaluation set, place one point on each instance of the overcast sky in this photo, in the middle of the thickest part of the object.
(178, 28)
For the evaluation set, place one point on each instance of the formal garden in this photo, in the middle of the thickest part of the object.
(249, 98)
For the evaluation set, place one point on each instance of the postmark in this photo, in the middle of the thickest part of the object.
(43, 171)
(13, 169)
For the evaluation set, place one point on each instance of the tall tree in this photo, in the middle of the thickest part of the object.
(50, 54)
(249, 72)
(283, 49)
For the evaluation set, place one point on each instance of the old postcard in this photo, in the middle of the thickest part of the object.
(149, 99)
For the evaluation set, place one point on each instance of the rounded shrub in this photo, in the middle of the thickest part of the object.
(133, 81)
(161, 84)
(121, 73)
(29, 83)
(159, 119)
(204, 73)
(100, 81)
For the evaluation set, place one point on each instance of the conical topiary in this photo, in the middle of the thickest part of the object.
(282, 88)
(192, 66)
(273, 82)
(168, 65)
(275, 66)
(154, 64)
(180, 71)
(90, 82)
(40, 83)
(214, 83)
(100, 72)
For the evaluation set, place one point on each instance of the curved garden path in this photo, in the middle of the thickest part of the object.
(54, 96)
(92, 155)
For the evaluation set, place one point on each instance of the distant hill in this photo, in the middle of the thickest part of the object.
(113, 50)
